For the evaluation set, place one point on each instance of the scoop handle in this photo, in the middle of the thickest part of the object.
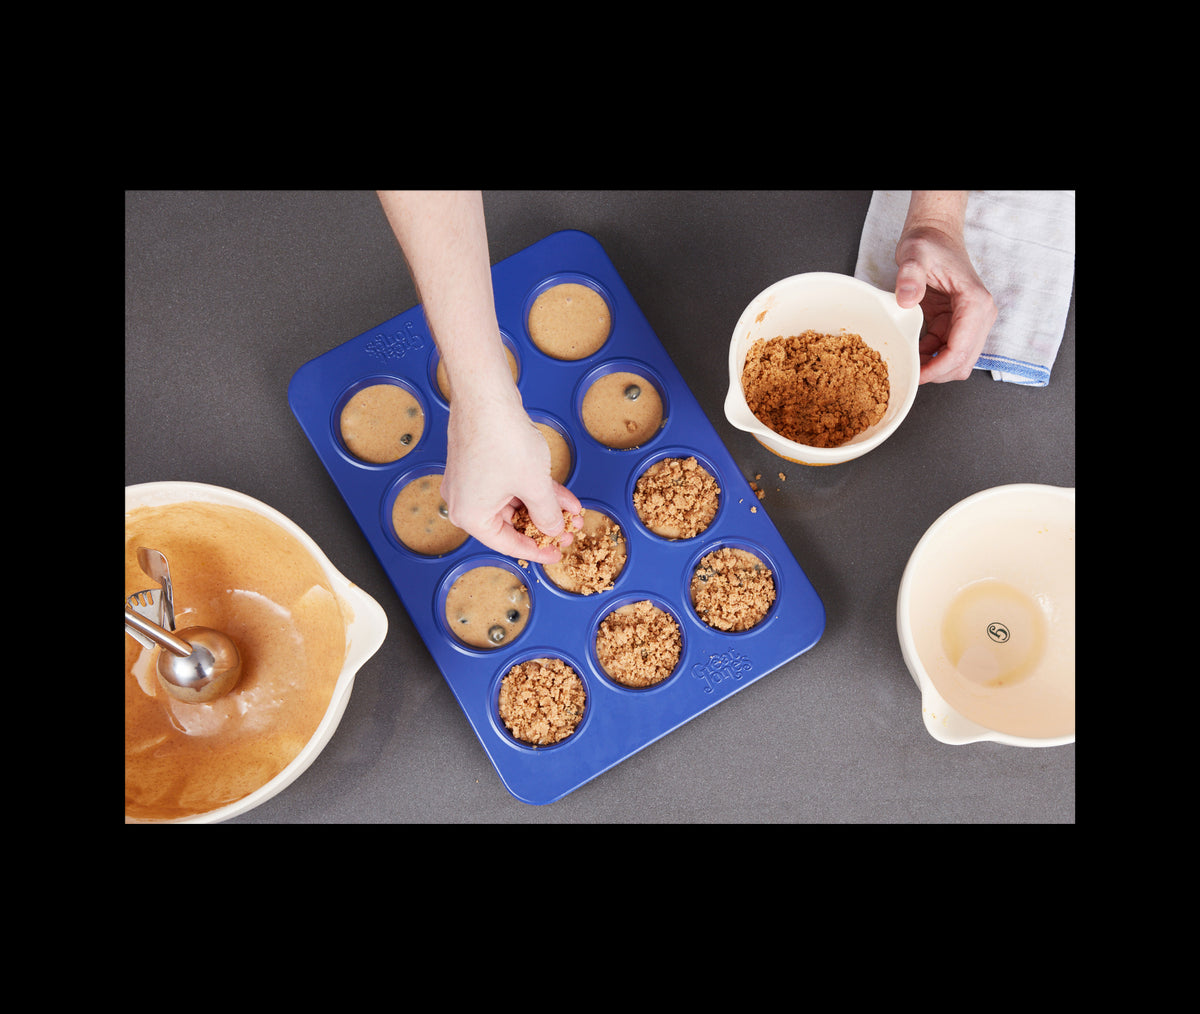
(176, 645)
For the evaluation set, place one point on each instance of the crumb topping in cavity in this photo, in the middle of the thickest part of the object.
(639, 644)
(732, 589)
(676, 498)
(542, 701)
(592, 562)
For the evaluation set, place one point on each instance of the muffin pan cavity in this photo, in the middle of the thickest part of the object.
(485, 603)
(541, 700)
(415, 515)
(380, 420)
(622, 404)
(569, 316)
(732, 586)
(552, 622)
(562, 450)
(637, 642)
(597, 557)
(676, 494)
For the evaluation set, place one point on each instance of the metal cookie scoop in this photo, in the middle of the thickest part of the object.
(154, 565)
(196, 665)
(155, 604)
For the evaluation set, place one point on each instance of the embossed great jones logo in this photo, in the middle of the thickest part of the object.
(396, 345)
(728, 665)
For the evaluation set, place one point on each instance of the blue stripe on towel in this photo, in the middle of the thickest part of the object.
(1020, 372)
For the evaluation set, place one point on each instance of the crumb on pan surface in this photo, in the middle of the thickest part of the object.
(732, 589)
(676, 498)
(542, 701)
(816, 389)
(639, 644)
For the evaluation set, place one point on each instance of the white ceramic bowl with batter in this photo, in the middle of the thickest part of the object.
(829, 303)
(366, 627)
(986, 618)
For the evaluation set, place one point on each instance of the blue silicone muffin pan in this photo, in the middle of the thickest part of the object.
(618, 721)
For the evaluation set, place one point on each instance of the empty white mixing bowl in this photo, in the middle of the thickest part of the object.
(986, 618)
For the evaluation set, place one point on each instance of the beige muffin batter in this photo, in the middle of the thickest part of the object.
(487, 607)
(443, 378)
(732, 589)
(382, 423)
(560, 453)
(420, 519)
(622, 410)
(592, 562)
(235, 571)
(676, 498)
(569, 321)
(638, 645)
(542, 701)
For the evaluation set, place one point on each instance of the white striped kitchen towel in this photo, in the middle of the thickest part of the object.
(1022, 244)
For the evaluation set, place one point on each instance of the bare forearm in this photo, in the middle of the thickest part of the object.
(944, 210)
(444, 239)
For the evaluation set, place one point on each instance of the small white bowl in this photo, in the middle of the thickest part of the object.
(366, 627)
(829, 304)
(986, 618)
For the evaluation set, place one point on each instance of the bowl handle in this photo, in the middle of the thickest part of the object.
(910, 320)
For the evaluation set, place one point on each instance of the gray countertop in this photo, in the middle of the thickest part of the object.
(241, 288)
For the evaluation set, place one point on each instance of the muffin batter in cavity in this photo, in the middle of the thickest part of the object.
(732, 589)
(569, 321)
(420, 519)
(676, 498)
(593, 560)
(487, 607)
(382, 423)
(622, 410)
(638, 644)
(542, 701)
(560, 452)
